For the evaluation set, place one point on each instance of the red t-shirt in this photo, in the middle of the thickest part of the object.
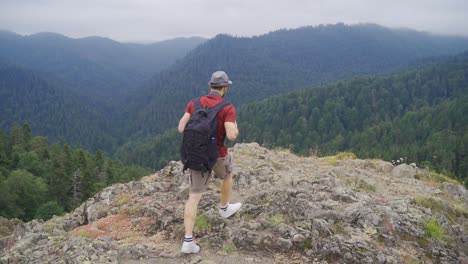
(227, 114)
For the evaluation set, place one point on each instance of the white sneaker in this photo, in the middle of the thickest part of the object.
(190, 247)
(231, 209)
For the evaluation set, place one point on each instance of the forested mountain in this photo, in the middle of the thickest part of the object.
(277, 62)
(38, 180)
(419, 114)
(94, 65)
(52, 110)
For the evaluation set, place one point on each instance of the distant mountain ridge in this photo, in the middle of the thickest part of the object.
(278, 62)
(93, 65)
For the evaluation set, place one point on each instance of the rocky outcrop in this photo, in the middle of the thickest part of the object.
(296, 209)
(405, 170)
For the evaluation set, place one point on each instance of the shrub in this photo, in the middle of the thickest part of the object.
(49, 209)
(345, 155)
(433, 230)
(123, 199)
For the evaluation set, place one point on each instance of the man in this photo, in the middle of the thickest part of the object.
(227, 127)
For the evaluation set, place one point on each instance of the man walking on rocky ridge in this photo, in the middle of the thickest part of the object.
(198, 156)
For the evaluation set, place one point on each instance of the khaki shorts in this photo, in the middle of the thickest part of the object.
(199, 180)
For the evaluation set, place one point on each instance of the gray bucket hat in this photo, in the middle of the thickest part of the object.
(219, 79)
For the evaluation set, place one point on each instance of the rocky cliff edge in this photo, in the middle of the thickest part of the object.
(295, 210)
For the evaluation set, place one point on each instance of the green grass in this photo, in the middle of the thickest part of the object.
(460, 210)
(364, 186)
(429, 202)
(451, 212)
(442, 178)
(229, 248)
(49, 227)
(436, 177)
(307, 243)
(338, 228)
(330, 160)
(277, 219)
(202, 223)
(345, 155)
(423, 241)
(433, 230)
(123, 199)
(247, 217)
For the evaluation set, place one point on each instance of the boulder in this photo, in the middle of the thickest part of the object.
(404, 171)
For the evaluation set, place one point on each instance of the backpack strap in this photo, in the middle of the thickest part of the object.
(220, 106)
(197, 104)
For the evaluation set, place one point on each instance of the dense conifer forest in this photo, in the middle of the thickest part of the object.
(38, 179)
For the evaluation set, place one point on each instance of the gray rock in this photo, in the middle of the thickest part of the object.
(381, 258)
(284, 244)
(456, 190)
(391, 260)
(298, 238)
(404, 171)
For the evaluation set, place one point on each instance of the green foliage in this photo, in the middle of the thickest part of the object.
(229, 248)
(22, 193)
(50, 110)
(48, 209)
(277, 219)
(418, 112)
(38, 180)
(366, 187)
(154, 152)
(439, 177)
(429, 202)
(450, 211)
(202, 223)
(345, 155)
(122, 199)
(433, 230)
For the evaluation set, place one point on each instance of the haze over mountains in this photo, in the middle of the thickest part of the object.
(94, 66)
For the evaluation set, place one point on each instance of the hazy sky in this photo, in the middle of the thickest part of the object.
(153, 20)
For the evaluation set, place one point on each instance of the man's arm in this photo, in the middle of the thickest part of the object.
(231, 130)
(183, 121)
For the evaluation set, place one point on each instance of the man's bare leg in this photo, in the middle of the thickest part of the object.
(226, 209)
(190, 212)
(226, 189)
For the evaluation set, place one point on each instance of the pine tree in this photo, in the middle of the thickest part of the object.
(58, 183)
(26, 139)
(3, 151)
(15, 135)
(87, 179)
